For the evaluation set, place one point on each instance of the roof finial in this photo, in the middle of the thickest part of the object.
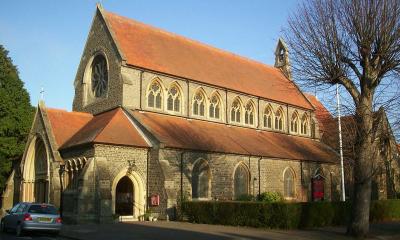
(41, 93)
(99, 4)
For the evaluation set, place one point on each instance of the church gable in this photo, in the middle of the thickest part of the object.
(98, 84)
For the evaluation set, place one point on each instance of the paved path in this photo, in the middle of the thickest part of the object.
(30, 236)
(188, 231)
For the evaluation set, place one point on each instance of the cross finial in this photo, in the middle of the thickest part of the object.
(42, 94)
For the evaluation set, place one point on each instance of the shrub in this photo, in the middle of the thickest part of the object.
(245, 197)
(284, 215)
(383, 210)
(270, 197)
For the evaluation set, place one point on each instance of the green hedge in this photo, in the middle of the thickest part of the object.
(283, 215)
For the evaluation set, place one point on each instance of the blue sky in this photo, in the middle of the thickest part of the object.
(46, 38)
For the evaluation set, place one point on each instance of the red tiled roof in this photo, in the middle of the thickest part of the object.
(112, 127)
(66, 124)
(322, 114)
(151, 48)
(75, 128)
(177, 132)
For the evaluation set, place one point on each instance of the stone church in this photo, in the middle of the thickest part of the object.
(158, 118)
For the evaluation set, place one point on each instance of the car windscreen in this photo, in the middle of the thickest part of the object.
(43, 209)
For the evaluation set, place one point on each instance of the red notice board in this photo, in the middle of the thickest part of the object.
(155, 200)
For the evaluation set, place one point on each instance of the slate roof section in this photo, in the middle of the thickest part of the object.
(178, 132)
(151, 48)
(111, 127)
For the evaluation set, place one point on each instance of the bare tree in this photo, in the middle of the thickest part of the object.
(355, 43)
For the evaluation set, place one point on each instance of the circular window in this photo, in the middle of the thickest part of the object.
(99, 76)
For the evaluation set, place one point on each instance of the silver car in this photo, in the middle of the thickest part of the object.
(32, 217)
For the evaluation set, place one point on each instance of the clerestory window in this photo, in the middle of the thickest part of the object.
(268, 117)
(154, 96)
(236, 111)
(294, 123)
(279, 120)
(199, 102)
(249, 114)
(304, 125)
(174, 99)
(215, 107)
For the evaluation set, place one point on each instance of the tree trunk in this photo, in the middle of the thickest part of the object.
(359, 224)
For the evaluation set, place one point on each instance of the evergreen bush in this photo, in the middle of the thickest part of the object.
(284, 215)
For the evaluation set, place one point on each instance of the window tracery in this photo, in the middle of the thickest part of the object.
(215, 107)
(201, 180)
(294, 122)
(236, 110)
(199, 104)
(268, 117)
(249, 114)
(279, 120)
(241, 181)
(174, 99)
(99, 76)
(304, 125)
(288, 187)
(154, 95)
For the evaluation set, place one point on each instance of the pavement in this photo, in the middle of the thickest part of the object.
(188, 231)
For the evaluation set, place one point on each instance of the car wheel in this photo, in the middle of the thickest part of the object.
(19, 231)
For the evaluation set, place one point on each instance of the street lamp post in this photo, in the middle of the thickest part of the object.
(61, 172)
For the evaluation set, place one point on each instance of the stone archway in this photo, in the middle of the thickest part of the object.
(35, 184)
(124, 197)
(128, 183)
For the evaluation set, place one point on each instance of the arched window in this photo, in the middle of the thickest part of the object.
(201, 180)
(279, 120)
(249, 114)
(236, 110)
(154, 95)
(288, 184)
(174, 99)
(268, 117)
(313, 128)
(304, 125)
(215, 107)
(199, 102)
(241, 181)
(294, 123)
(99, 76)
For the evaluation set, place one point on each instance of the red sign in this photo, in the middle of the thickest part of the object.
(318, 189)
(155, 200)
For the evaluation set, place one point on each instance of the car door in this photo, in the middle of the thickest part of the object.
(19, 215)
(8, 219)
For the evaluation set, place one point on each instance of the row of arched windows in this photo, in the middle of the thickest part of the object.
(239, 113)
(201, 181)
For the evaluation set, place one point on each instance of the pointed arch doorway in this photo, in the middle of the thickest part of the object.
(124, 197)
(128, 195)
(35, 185)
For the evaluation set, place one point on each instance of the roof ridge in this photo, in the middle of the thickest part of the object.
(181, 37)
(66, 111)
